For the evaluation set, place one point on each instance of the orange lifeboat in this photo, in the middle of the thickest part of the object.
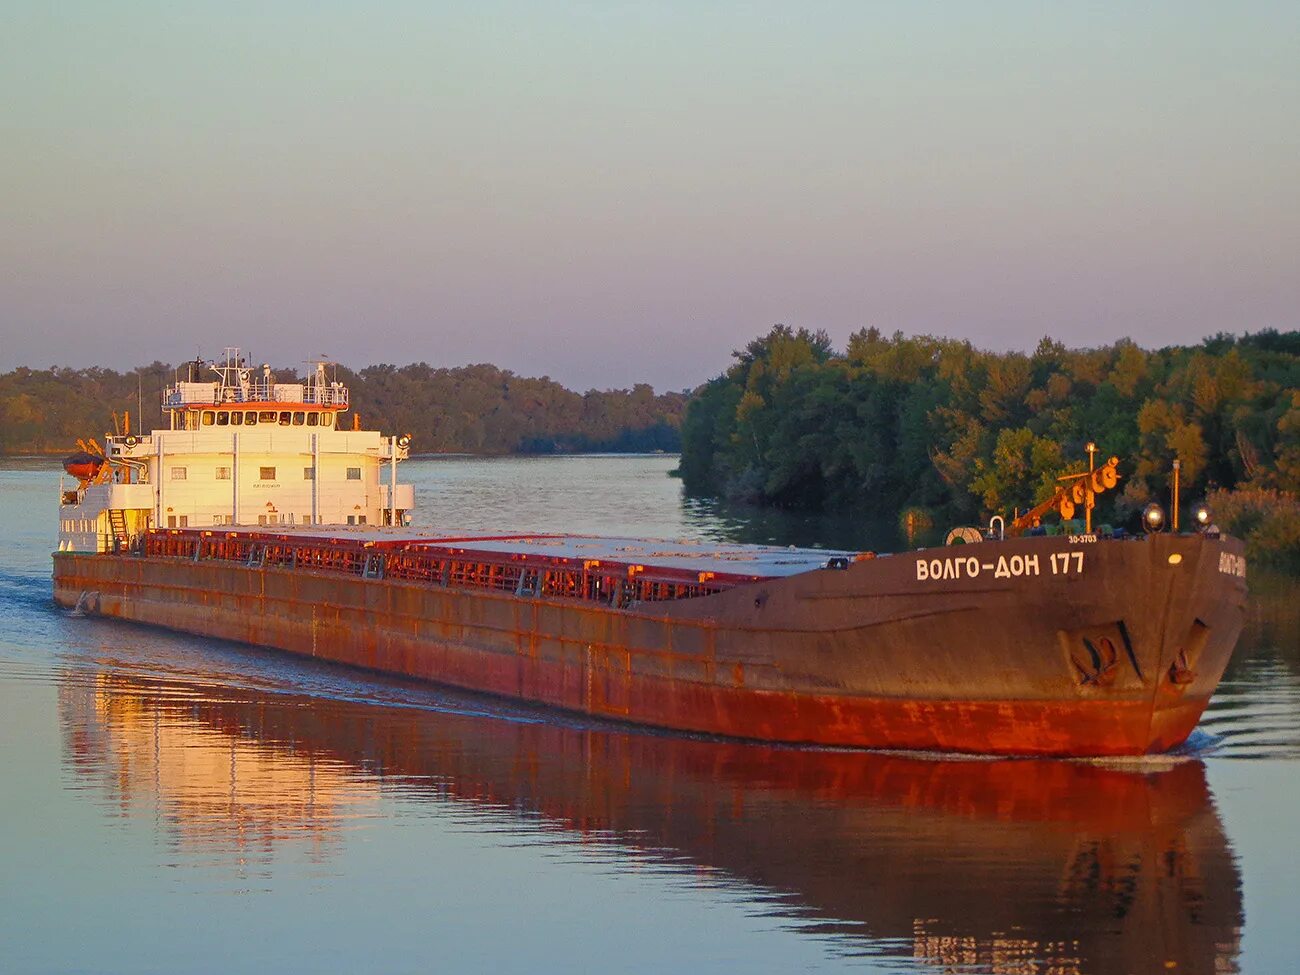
(83, 465)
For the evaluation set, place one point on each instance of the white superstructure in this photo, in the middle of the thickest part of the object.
(241, 450)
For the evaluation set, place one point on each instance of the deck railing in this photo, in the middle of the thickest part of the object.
(312, 394)
(609, 585)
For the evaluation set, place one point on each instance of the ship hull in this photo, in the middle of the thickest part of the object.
(1043, 646)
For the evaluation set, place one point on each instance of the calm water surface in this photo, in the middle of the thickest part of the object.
(176, 804)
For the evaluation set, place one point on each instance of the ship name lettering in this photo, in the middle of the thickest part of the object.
(967, 567)
(1016, 566)
(1232, 565)
(1066, 563)
(1006, 567)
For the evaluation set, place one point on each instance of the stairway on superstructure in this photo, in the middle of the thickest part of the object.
(117, 521)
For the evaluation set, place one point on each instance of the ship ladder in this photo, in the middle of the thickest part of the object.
(117, 521)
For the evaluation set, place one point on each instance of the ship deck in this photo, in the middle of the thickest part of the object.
(686, 556)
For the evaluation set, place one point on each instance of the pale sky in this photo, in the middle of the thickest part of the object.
(609, 193)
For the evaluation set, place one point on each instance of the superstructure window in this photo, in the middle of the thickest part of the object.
(309, 473)
(354, 473)
(179, 473)
(237, 418)
(266, 473)
(284, 418)
(312, 419)
(299, 419)
(223, 473)
(250, 419)
(223, 418)
(208, 418)
(266, 416)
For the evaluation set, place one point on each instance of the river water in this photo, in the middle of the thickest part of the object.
(175, 804)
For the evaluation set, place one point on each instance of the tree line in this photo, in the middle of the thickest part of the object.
(471, 409)
(933, 425)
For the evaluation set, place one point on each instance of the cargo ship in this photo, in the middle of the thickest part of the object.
(257, 518)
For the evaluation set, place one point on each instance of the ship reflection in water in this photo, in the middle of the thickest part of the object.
(981, 866)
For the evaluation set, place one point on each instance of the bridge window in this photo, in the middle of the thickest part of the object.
(179, 473)
(266, 473)
(354, 473)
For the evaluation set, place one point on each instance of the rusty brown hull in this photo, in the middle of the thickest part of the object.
(1029, 646)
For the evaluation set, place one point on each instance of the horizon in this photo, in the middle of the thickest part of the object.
(838, 348)
(613, 196)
